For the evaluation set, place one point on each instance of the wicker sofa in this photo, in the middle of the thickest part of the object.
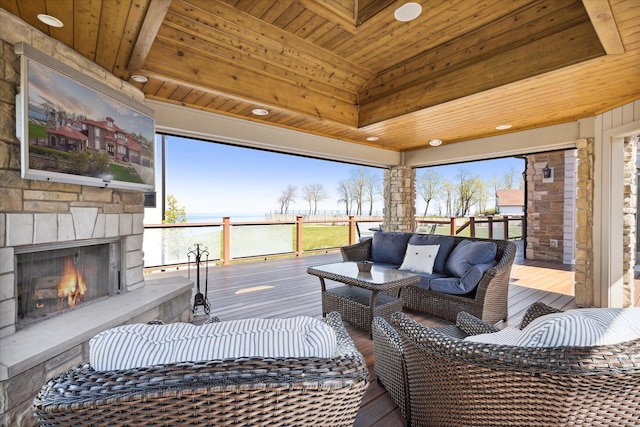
(239, 392)
(487, 300)
(437, 378)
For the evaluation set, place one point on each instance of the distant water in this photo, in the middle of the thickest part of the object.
(235, 217)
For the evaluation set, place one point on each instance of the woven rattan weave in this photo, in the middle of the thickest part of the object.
(241, 392)
(362, 298)
(451, 382)
(487, 302)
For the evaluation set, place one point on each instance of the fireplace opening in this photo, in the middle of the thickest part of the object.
(52, 279)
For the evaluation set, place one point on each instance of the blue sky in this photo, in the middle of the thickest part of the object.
(211, 178)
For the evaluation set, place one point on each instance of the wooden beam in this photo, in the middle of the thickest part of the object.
(602, 19)
(333, 13)
(550, 53)
(150, 27)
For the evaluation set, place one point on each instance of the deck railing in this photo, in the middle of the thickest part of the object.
(167, 245)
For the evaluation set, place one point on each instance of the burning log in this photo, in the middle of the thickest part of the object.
(72, 285)
(46, 287)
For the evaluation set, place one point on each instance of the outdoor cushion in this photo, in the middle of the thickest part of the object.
(467, 254)
(389, 247)
(426, 279)
(139, 345)
(472, 277)
(461, 285)
(420, 258)
(446, 244)
(584, 327)
(506, 336)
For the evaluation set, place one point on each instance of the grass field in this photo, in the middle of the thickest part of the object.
(316, 236)
(37, 131)
(123, 174)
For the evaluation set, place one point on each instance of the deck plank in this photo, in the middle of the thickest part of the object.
(282, 288)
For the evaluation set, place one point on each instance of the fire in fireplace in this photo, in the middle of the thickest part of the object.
(52, 279)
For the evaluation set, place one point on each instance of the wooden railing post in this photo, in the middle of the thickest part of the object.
(472, 226)
(352, 226)
(299, 235)
(452, 226)
(506, 227)
(226, 241)
(490, 225)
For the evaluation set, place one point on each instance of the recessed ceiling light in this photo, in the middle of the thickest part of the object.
(372, 138)
(408, 12)
(138, 78)
(503, 127)
(260, 111)
(435, 142)
(50, 20)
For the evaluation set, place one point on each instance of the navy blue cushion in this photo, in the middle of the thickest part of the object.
(425, 280)
(446, 245)
(469, 253)
(446, 285)
(472, 277)
(389, 247)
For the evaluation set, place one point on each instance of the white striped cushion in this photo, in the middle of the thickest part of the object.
(139, 345)
(506, 336)
(582, 328)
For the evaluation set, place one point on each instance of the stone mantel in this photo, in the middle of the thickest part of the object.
(35, 344)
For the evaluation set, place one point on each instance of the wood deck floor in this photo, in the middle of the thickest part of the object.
(282, 288)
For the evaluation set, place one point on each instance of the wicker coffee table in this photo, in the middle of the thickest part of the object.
(364, 295)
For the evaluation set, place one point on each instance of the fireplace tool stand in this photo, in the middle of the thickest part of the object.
(200, 299)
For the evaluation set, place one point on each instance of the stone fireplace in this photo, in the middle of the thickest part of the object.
(90, 237)
(52, 279)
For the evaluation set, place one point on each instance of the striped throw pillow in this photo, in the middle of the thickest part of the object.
(139, 345)
(582, 328)
(506, 336)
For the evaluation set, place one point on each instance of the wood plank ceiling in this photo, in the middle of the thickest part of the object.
(330, 68)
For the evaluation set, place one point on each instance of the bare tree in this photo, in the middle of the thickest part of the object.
(345, 194)
(313, 193)
(372, 188)
(507, 179)
(286, 197)
(492, 187)
(430, 183)
(482, 198)
(358, 182)
(468, 188)
(449, 197)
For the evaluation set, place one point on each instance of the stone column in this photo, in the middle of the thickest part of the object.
(584, 224)
(629, 221)
(545, 207)
(399, 199)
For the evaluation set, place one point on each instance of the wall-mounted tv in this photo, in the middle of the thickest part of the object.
(75, 129)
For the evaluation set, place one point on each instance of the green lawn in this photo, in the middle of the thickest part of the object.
(316, 236)
(123, 174)
(37, 131)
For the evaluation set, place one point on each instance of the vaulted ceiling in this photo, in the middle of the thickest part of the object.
(347, 69)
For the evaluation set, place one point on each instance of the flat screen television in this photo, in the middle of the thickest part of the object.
(75, 129)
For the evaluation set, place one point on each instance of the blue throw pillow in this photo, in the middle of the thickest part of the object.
(469, 253)
(472, 276)
(446, 245)
(389, 247)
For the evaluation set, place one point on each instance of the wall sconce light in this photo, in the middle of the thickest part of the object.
(546, 172)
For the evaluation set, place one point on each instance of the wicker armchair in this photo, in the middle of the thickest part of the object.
(447, 381)
(240, 392)
(487, 302)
